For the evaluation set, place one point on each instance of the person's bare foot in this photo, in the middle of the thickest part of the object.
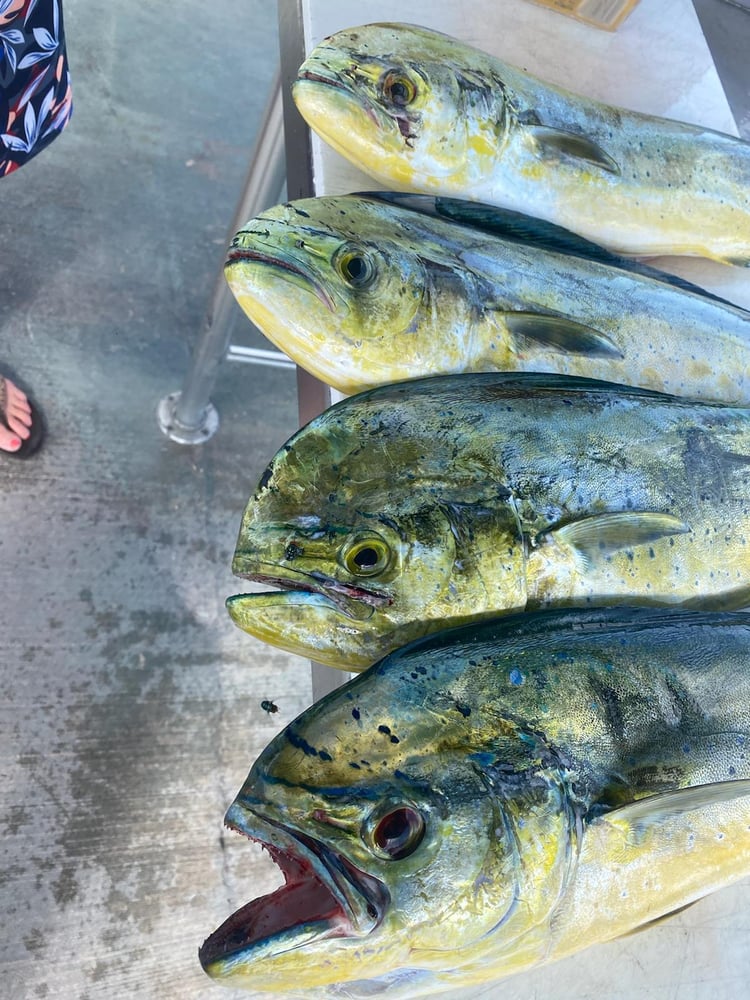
(15, 416)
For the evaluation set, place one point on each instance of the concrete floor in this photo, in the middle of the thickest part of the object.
(130, 708)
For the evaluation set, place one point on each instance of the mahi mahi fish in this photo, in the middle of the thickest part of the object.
(364, 289)
(432, 502)
(421, 111)
(494, 797)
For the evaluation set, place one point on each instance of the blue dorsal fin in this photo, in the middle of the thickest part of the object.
(558, 382)
(526, 229)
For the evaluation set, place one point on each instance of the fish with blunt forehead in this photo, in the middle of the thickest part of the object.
(438, 501)
(495, 797)
(362, 290)
(421, 111)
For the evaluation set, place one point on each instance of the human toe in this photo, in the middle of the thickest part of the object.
(17, 410)
(16, 418)
(8, 440)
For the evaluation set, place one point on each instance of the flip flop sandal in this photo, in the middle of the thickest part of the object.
(34, 440)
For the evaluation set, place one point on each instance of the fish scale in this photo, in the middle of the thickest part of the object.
(447, 286)
(535, 783)
(479, 128)
(466, 496)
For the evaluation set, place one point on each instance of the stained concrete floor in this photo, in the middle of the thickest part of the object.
(130, 708)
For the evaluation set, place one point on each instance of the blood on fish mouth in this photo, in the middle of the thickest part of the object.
(302, 899)
(318, 901)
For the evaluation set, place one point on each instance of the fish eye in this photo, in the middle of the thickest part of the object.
(365, 555)
(398, 88)
(395, 833)
(356, 268)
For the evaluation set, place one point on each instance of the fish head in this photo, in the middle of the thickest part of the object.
(410, 106)
(367, 553)
(325, 280)
(414, 832)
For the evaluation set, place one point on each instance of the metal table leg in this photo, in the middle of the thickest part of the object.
(189, 416)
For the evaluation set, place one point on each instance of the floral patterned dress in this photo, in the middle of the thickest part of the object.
(35, 101)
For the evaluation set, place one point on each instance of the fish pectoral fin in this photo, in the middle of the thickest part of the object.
(561, 334)
(655, 809)
(660, 920)
(605, 534)
(553, 143)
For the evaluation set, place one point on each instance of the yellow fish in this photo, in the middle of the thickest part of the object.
(493, 798)
(438, 501)
(366, 289)
(421, 111)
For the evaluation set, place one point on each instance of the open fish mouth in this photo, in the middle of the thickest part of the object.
(310, 588)
(323, 896)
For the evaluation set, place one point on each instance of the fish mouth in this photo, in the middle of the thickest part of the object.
(327, 77)
(241, 254)
(357, 603)
(324, 896)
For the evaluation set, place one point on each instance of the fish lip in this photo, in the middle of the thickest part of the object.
(332, 80)
(239, 254)
(341, 595)
(354, 902)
